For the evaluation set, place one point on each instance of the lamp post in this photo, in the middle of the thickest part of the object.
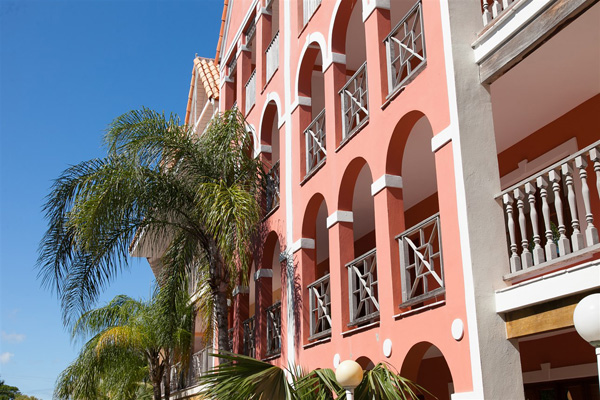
(349, 374)
(587, 322)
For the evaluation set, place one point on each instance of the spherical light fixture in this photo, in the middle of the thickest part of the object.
(349, 374)
(586, 318)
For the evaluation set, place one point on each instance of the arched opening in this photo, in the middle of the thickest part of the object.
(348, 38)
(418, 229)
(311, 97)
(231, 81)
(249, 325)
(270, 155)
(315, 270)
(356, 205)
(426, 365)
(270, 281)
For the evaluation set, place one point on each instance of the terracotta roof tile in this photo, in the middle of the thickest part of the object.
(209, 75)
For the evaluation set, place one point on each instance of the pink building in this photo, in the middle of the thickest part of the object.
(435, 185)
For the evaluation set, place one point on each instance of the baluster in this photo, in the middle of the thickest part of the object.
(526, 258)
(496, 8)
(515, 261)
(506, 3)
(550, 247)
(487, 15)
(591, 233)
(576, 237)
(595, 157)
(564, 247)
(538, 251)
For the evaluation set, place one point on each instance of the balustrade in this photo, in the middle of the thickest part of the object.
(563, 195)
(405, 49)
(273, 329)
(315, 143)
(272, 189)
(421, 261)
(355, 105)
(272, 55)
(230, 338)
(250, 91)
(308, 9)
(363, 290)
(492, 8)
(249, 337)
(320, 308)
(200, 363)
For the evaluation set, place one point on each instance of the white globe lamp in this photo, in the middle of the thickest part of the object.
(586, 319)
(349, 374)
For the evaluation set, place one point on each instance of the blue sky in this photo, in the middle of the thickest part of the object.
(67, 68)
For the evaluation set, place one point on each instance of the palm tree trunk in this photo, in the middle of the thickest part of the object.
(167, 375)
(156, 374)
(219, 284)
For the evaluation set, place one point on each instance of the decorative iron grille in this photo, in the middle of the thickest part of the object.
(315, 143)
(421, 261)
(249, 337)
(272, 190)
(405, 47)
(320, 308)
(362, 279)
(355, 104)
(274, 329)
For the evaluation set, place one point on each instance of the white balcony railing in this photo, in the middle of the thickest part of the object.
(272, 55)
(249, 337)
(273, 329)
(320, 308)
(541, 212)
(363, 289)
(492, 8)
(421, 261)
(355, 104)
(315, 143)
(308, 9)
(250, 91)
(272, 189)
(405, 49)
(200, 363)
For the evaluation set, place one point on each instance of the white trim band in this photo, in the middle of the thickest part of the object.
(304, 243)
(386, 181)
(370, 5)
(339, 216)
(442, 138)
(263, 273)
(265, 148)
(240, 290)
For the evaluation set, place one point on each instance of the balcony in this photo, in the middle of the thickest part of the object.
(355, 105)
(272, 189)
(315, 143)
(363, 293)
(549, 215)
(513, 29)
(273, 329)
(272, 55)
(320, 308)
(250, 92)
(421, 262)
(200, 363)
(405, 49)
(249, 337)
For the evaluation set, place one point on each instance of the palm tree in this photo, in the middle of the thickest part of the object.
(241, 378)
(132, 346)
(195, 199)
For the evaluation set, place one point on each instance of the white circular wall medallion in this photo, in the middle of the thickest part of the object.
(458, 329)
(387, 347)
(336, 360)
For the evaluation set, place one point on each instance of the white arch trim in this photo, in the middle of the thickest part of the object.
(272, 96)
(313, 37)
(256, 143)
